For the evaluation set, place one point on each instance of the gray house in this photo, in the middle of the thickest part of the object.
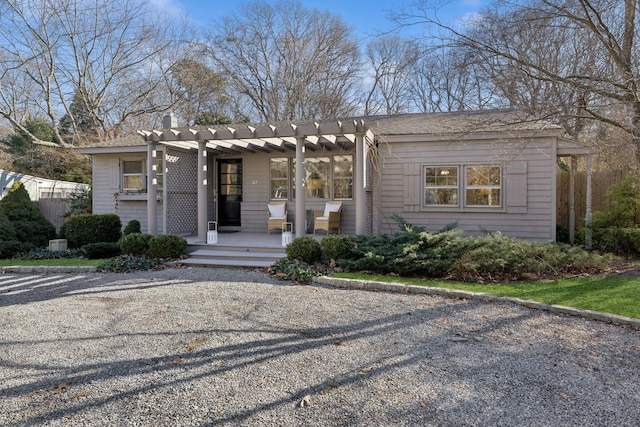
(487, 171)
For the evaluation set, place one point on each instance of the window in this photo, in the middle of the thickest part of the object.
(316, 175)
(319, 180)
(343, 177)
(132, 175)
(483, 186)
(279, 167)
(441, 186)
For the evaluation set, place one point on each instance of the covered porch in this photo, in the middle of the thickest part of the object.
(299, 141)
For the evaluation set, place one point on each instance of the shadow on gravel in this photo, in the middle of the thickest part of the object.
(211, 359)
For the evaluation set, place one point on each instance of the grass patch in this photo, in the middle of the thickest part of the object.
(615, 295)
(57, 262)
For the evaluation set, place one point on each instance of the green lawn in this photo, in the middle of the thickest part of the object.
(58, 262)
(616, 295)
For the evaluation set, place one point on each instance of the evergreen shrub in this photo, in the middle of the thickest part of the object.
(167, 246)
(100, 250)
(31, 228)
(83, 229)
(135, 243)
(337, 246)
(306, 249)
(132, 227)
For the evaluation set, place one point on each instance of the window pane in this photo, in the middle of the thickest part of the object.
(279, 170)
(441, 185)
(132, 167)
(132, 182)
(483, 197)
(483, 186)
(316, 172)
(343, 177)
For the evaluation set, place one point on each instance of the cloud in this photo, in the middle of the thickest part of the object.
(170, 7)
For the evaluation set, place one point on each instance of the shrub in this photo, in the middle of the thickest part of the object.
(135, 244)
(167, 246)
(9, 244)
(132, 227)
(622, 241)
(337, 246)
(31, 228)
(306, 249)
(100, 250)
(128, 263)
(44, 253)
(83, 229)
(294, 270)
(10, 248)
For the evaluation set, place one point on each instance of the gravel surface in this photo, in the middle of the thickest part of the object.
(194, 347)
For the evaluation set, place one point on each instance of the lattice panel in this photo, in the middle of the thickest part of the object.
(182, 192)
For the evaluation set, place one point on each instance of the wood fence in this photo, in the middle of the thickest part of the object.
(54, 209)
(601, 181)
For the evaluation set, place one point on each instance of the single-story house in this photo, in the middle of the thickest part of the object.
(485, 170)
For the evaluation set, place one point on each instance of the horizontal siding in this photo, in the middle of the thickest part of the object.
(537, 222)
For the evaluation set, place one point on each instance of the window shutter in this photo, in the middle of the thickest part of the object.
(516, 187)
(412, 188)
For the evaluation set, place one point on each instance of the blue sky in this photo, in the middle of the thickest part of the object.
(366, 16)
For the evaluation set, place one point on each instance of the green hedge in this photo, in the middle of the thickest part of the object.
(167, 246)
(100, 250)
(135, 244)
(80, 230)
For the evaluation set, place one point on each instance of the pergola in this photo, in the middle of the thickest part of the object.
(268, 138)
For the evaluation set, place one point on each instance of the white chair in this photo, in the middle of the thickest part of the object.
(276, 216)
(329, 219)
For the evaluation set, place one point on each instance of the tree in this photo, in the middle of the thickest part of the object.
(289, 62)
(391, 59)
(579, 55)
(198, 90)
(32, 229)
(83, 56)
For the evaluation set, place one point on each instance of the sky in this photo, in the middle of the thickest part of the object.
(368, 17)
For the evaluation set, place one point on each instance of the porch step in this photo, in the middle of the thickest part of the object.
(234, 257)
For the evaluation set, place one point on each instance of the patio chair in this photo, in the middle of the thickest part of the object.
(276, 215)
(329, 219)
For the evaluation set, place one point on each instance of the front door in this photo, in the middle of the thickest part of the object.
(229, 192)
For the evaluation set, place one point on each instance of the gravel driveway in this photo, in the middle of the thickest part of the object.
(216, 346)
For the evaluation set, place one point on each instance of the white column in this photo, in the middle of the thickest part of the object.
(202, 191)
(572, 199)
(587, 216)
(359, 195)
(152, 190)
(301, 216)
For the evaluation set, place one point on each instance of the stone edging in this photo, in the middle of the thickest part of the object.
(401, 288)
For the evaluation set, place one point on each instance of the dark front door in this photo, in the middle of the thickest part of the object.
(229, 192)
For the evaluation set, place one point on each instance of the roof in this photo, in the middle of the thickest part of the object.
(328, 134)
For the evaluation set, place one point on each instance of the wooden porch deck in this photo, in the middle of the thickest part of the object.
(237, 249)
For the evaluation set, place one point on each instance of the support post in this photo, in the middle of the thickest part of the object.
(300, 227)
(572, 199)
(202, 191)
(587, 216)
(359, 195)
(152, 189)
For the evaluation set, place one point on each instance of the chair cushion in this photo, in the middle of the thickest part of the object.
(322, 218)
(330, 207)
(276, 211)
